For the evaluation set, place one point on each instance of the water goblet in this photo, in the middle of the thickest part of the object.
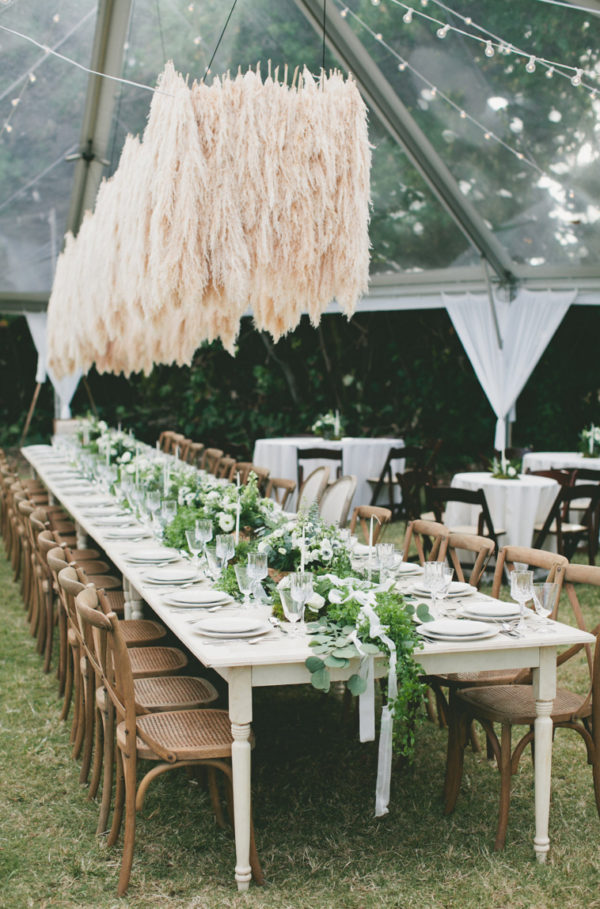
(386, 555)
(521, 590)
(544, 601)
(195, 545)
(257, 569)
(204, 532)
(153, 503)
(440, 587)
(245, 583)
(301, 589)
(225, 548)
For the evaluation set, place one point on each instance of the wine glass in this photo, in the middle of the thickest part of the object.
(301, 589)
(204, 532)
(245, 583)
(386, 556)
(225, 548)
(153, 502)
(195, 545)
(521, 590)
(440, 585)
(257, 568)
(544, 601)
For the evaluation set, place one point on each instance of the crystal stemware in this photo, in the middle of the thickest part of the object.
(225, 548)
(245, 583)
(386, 556)
(521, 590)
(544, 601)
(301, 589)
(440, 585)
(257, 569)
(195, 545)
(204, 532)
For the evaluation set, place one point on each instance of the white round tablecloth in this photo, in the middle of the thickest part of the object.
(558, 460)
(515, 505)
(361, 457)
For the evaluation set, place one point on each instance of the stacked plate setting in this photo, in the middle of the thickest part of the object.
(456, 630)
(228, 627)
(156, 556)
(172, 574)
(457, 589)
(492, 611)
(197, 598)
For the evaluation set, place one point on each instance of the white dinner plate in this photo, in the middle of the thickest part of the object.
(154, 556)
(127, 533)
(75, 488)
(115, 520)
(406, 568)
(197, 597)
(492, 611)
(456, 630)
(221, 626)
(457, 589)
(95, 501)
(170, 574)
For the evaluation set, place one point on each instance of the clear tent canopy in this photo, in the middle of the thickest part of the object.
(485, 154)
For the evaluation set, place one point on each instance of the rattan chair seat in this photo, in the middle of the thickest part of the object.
(190, 734)
(142, 631)
(174, 692)
(148, 661)
(485, 677)
(105, 581)
(116, 601)
(515, 704)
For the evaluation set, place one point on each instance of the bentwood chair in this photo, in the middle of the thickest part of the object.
(280, 489)
(362, 515)
(321, 454)
(194, 453)
(482, 548)
(224, 468)
(210, 459)
(170, 740)
(313, 488)
(245, 468)
(336, 500)
(514, 705)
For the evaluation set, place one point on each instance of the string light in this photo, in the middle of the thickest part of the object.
(492, 41)
(576, 80)
(549, 72)
(530, 65)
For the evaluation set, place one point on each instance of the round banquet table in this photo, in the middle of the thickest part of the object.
(361, 457)
(558, 460)
(515, 505)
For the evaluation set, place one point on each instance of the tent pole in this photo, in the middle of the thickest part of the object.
(492, 304)
(90, 398)
(30, 413)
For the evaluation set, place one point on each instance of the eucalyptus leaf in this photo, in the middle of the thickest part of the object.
(356, 684)
(320, 648)
(322, 638)
(371, 648)
(423, 613)
(348, 651)
(313, 627)
(335, 663)
(314, 663)
(320, 680)
(348, 629)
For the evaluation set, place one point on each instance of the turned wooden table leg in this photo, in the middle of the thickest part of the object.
(544, 687)
(240, 714)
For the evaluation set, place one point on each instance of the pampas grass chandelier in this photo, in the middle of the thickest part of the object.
(243, 195)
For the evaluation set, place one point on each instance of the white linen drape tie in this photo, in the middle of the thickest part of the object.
(526, 326)
(65, 388)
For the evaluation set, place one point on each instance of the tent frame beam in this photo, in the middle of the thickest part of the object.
(110, 36)
(401, 126)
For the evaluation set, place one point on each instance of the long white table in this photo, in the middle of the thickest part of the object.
(559, 460)
(279, 660)
(363, 458)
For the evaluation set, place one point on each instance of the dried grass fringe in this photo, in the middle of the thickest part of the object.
(242, 195)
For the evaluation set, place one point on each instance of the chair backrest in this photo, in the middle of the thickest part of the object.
(469, 542)
(313, 487)
(408, 453)
(194, 453)
(586, 473)
(164, 440)
(364, 513)
(559, 510)
(245, 468)
(225, 468)
(210, 459)
(579, 574)
(551, 562)
(430, 539)
(336, 500)
(280, 489)
(321, 454)
(438, 496)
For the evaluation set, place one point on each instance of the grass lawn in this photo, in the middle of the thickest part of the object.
(313, 786)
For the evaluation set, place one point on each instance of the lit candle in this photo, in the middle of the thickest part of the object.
(336, 427)
(370, 546)
(303, 548)
(592, 439)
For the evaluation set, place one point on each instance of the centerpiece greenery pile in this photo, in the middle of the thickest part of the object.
(503, 469)
(589, 441)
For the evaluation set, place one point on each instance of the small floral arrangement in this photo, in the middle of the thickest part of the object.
(323, 546)
(328, 425)
(503, 469)
(589, 441)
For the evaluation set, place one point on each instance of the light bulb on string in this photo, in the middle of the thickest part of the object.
(375, 2)
(8, 127)
(56, 17)
(443, 31)
(379, 36)
(15, 102)
(549, 72)
(402, 66)
(344, 12)
(32, 77)
(530, 65)
(407, 17)
(468, 20)
(433, 91)
(489, 49)
(576, 80)
(463, 115)
(487, 135)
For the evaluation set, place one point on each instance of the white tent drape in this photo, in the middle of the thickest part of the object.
(526, 325)
(64, 388)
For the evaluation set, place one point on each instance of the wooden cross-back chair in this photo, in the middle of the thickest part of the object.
(210, 459)
(280, 489)
(482, 547)
(174, 739)
(362, 515)
(224, 468)
(194, 453)
(245, 468)
(510, 705)
(430, 539)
